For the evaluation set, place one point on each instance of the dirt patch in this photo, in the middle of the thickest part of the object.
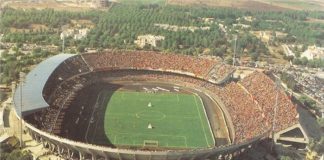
(260, 6)
(313, 20)
(242, 4)
(31, 28)
(85, 23)
(50, 4)
(298, 4)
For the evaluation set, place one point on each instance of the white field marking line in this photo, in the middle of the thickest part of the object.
(95, 130)
(202, 125)
(158, 100)
(184, 138)
(210, 129)
(121, 114)
(162, 135)
(115, 139)
(184, 117)
(223, 116)
(94, 109)
(113, 116)
(122, 96)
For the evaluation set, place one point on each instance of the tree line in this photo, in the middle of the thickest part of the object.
(119, 27)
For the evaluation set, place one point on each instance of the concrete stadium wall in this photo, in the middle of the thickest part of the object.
(68, 148)
(220, 81)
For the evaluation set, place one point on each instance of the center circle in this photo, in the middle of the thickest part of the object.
(150, 115)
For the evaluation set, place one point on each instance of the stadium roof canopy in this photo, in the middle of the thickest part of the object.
(33, 84)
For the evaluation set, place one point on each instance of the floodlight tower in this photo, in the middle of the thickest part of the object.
(21, 79)
(235, 39)
(63, 43)
(275, 111)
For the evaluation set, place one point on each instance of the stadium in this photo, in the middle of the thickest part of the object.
(129, 105)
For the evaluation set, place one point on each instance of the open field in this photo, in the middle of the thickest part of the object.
(43, 4)
(142, 1)
(298, 4)
(265, 5)
(313, 20)
(178, 120)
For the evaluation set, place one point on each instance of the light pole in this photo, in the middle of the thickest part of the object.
(21, 79)
(63, 44)
(235, 38)
(275, 112)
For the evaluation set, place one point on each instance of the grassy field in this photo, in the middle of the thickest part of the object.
(178, 120)
(142, 1)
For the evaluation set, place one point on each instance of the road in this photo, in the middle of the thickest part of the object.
(288, 52)
(3, 4)
(297, 95)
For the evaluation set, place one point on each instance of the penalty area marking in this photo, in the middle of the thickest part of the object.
(202, 124)
(142, 114)
(183, 138)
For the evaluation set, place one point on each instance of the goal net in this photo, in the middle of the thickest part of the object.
(151, 143)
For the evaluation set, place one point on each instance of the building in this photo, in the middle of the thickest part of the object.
(244, 26)
(313, 52)
(208, 20)
(77, 34)
(101, 3)
(267, 36)
(81, 33)
(67, 33)
(176, 28)
(148, 39)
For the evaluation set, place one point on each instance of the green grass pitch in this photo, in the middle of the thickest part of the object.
(178, 120)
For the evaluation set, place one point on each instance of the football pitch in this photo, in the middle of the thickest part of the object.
(171, 120)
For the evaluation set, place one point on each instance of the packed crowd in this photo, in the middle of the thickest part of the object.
(67, 69)
(264, 92)
(248, 118)
(198, 66)
(249, 102)
(51, 118)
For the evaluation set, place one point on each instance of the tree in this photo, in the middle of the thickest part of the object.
(285, 158)
(297, 54)
(37, 51)
(217, 52)
(320, 121)
(81, 49)
(229, 60)
(289, 58)
(289, 80)
(307, 102)
(17, 155)
(297, 61)
(2, 96)
(304, 61)
(255, 56)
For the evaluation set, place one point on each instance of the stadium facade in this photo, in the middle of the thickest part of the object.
(51, 86)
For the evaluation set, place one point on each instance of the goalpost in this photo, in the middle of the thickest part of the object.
(150, 143)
